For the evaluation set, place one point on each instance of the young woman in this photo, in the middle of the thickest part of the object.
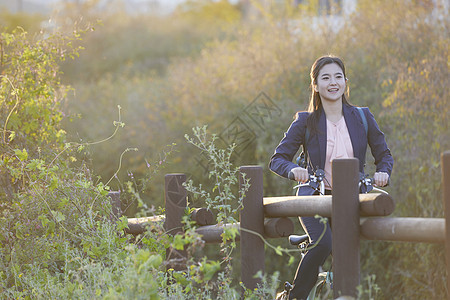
(336, 130)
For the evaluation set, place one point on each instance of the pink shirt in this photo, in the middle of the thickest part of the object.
(339, 145)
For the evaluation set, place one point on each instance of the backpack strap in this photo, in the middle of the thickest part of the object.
(364, 120)
(305, 151)
(306, 137)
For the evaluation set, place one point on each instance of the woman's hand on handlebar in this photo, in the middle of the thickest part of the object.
(300, 174)
(381, 178)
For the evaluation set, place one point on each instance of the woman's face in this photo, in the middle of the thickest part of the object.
(330, 83)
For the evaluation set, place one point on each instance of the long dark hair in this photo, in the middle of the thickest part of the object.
(315, 103)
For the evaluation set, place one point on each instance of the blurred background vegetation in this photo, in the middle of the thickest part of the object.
(242, 68)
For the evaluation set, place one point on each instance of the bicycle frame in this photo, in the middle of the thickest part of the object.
(323, 278)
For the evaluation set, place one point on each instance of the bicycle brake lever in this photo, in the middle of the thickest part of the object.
(314, 184)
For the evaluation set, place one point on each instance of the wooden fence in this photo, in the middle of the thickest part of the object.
(354, 216)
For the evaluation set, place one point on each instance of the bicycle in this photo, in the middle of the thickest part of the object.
(316, 182)
(365, 185)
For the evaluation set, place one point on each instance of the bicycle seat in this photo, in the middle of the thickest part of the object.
(297, 239)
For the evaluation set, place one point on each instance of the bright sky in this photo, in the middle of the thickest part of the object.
(166, 5)
(162, 2)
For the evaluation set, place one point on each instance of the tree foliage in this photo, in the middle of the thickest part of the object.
(31, 96)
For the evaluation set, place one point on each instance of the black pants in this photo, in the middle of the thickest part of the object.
(308, 269)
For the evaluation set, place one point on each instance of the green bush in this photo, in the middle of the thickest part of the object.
(48, 207)
(59, 238)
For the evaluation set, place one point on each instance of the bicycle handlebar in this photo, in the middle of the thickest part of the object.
(319, 175)
(315, 181)
(367, 184)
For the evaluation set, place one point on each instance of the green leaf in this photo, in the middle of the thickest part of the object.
(122, 223)
(209, 269)
(180, 278)
(178, 242)
(12, 135)
(35, 164)
(278, 251)
(229, 234)
(142, 256)
(21, 154)
(44, 220)
(59, 217)
(53, 183)
(155, 261)
(291, 260)
(63, 202)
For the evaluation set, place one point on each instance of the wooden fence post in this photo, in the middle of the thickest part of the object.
(176, 202)
(445, 167)
(252, 218)
(345, 226)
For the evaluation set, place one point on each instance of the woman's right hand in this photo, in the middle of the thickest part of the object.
(300, 174)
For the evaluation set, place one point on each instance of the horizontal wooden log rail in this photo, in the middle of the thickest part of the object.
(277, 209)
(291, 206)
(274, 228)
(138, 225)
(213, 233)
(278, 227)
(372, 204)
(201, 216)
(417, 230)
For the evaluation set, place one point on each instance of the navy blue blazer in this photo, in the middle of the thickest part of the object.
(281, 161)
